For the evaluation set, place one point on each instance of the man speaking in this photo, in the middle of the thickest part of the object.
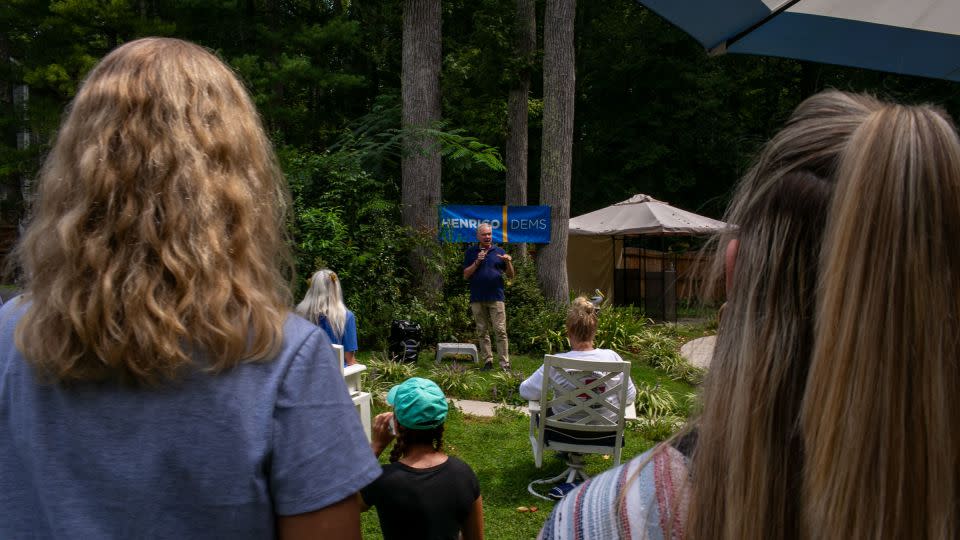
(483, 266)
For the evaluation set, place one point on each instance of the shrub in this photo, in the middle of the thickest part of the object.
(346, 220)
(654, 401)
(658, 428)
(679, 369)
(653, 345)
(616, 325)
(455, 379)
(383, 373)
(506, 387)
(535, 325)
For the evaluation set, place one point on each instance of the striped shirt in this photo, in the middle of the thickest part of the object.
(645, 498)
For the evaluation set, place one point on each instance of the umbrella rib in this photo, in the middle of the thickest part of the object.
(724, 45)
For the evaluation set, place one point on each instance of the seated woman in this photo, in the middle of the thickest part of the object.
(830, 407)
(581, 329)
(423, 492)
(323, 306)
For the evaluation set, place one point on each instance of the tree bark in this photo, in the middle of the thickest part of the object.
(420, 163)
(6, 89)
(525, 42)
(555, 164)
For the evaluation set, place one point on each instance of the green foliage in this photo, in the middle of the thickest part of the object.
(457, 147)
(315, 68)
(346, 220)
(383, 373)
(654, 346)
(654, 401)
(680, 370)
(658, 348)
(535, 325)
(455, 379)
(378, 136)
(656, 428)
(504, 411)
(506, 386)
(616, 325)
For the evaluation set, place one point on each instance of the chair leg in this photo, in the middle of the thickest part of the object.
(571, 474)
(575, 467)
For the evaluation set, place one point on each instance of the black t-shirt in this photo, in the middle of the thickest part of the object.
(423, 504)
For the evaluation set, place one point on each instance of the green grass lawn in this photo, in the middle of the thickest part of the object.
(498, 449)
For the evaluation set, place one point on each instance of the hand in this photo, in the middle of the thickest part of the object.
(506, 258)
(481, 256)
(380, 432)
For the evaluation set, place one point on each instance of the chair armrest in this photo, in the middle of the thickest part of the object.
(351, 374)
(533, 407)
(354, 369)
(630, 412)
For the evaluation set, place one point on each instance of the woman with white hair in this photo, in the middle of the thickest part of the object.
(323, 306)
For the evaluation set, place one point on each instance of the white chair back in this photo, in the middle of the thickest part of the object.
(583, 398)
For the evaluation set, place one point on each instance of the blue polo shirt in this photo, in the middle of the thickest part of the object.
(349, 337)
(486, 283)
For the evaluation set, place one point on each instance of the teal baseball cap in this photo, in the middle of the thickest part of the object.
(418, 403)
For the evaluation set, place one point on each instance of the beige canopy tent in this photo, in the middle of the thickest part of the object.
(597, 256)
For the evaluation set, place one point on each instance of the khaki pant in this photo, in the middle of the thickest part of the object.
(492, 316)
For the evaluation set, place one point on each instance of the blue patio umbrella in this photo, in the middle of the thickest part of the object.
(912, 37)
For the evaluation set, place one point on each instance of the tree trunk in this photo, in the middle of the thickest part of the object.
(420, 164)
(525, 42)
(555, 164)
(6, 90)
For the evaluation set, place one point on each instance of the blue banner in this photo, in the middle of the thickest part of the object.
(458, 223)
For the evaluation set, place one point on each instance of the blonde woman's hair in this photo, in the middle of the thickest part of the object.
(582, 319)
(882, 410)
(748, 461)
(158, 230)
(324, 298)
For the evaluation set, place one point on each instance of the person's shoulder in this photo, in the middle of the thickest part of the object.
(296, 328)
(301, 341)
(453, 462)
(391, 468)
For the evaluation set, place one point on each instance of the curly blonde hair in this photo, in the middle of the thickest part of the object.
(158, 233)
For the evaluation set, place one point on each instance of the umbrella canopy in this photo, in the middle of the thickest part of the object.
(642, 214)
(913, 37)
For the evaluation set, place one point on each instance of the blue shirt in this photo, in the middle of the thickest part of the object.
(349, 337)
(208, 456)
(486, 283)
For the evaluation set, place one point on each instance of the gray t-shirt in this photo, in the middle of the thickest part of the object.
(209, 456)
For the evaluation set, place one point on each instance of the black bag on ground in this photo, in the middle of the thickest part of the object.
(405, 341)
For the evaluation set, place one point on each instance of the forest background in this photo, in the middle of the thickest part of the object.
(653, 114)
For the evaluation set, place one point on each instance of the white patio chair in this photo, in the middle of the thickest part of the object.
(361, 399)
(573, 421)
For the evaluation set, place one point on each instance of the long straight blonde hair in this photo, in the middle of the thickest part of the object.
(158, 229)
(324, 298)
(748, 461)
(881, 415)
